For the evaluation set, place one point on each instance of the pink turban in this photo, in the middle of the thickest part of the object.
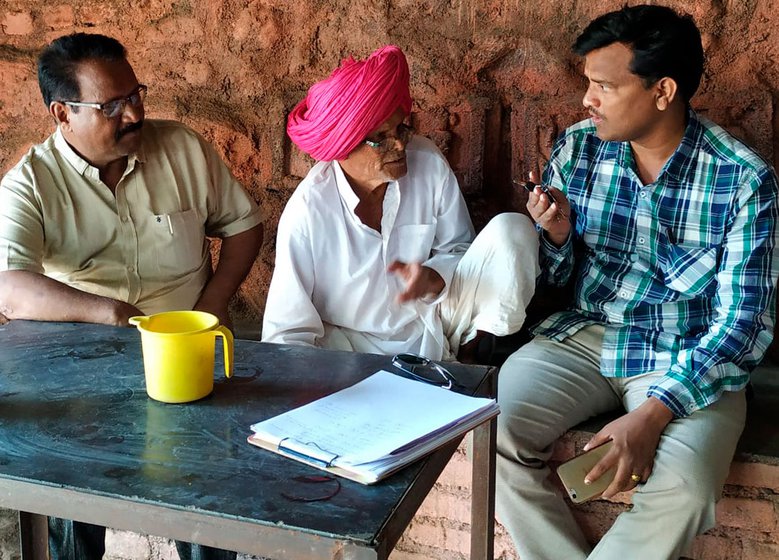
(341, 110)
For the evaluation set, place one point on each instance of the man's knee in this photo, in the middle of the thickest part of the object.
(511, 227)
(523, 426)
(690, 502)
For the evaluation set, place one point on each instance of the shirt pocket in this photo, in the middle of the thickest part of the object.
(689, 269)
(415, 242)
(178, 242)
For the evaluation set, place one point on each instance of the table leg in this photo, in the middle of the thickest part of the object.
(483, 492)
(33, 536)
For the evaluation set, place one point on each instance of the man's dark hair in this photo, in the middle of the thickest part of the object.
(664, 44)
(58, 63)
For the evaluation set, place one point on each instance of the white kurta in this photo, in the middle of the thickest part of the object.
(330, 285)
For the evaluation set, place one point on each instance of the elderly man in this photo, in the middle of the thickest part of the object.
(109, 218)
(375, 249)
(674, 300)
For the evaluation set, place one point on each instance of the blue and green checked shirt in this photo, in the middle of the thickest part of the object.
(682, 271)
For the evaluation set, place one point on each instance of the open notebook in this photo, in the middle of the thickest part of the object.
(373, 428)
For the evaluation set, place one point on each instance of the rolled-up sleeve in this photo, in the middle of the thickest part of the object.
(21, 222)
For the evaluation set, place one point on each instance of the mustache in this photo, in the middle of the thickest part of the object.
(594, 113)
(128, 129)
(394, 156)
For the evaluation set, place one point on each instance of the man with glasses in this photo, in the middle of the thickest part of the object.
(110, 218)
(375, 249)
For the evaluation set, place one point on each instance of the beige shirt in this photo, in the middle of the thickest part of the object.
(147, 243)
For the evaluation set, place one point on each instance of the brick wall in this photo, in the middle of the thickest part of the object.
(493, 82)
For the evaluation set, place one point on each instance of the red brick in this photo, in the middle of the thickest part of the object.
(299, 163)
(755, 475)
(756, 515)
(197, 73)
(97, 14)
(20, 95)
(17, 23)
(58, 17)
(564, 449)
(711, 547)
(467, 151)
(399, 554)
(754, 550)
(458, 471)
(452, 507)
(438, 537)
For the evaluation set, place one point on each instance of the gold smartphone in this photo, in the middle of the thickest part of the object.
(572, 474)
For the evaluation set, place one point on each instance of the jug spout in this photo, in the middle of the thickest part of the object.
(138, 321)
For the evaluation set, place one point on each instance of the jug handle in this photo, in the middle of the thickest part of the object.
(227, 339)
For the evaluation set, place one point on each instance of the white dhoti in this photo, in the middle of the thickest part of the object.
(493, 283)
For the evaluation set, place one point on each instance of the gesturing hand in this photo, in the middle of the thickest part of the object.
(636, 436)
(420, 280)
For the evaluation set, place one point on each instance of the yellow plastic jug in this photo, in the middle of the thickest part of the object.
(178, 354)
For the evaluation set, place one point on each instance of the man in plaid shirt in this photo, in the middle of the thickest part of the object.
(675, 226)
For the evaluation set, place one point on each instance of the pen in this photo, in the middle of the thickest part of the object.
(530, 186)
(170, 224)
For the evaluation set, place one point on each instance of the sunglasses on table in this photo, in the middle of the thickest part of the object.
(427, 371)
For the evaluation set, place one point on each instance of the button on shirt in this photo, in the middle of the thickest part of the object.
(330, 285)
(681, 271)
(146, 243)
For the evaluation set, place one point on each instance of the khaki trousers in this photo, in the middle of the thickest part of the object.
(547, 387)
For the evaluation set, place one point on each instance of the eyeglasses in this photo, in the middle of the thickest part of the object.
(422, 369)
(403, 133)
(115, 107)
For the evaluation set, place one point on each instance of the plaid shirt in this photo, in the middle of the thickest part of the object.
(682, 271)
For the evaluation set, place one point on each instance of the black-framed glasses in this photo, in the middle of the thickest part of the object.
(115, 107)
(402, 133)
(422, 369)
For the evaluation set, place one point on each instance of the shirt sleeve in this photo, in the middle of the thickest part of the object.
(557, 263)
(21, 222)
(454, 230)
(290, 316)
(230, 208)
(745, 307)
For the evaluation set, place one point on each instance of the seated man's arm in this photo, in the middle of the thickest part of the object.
(290, 316)
(30, 295)
(745, 307)
(25, 292)
(236, 257)
(556, 253)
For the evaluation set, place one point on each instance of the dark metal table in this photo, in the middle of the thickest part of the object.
(80, 439)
